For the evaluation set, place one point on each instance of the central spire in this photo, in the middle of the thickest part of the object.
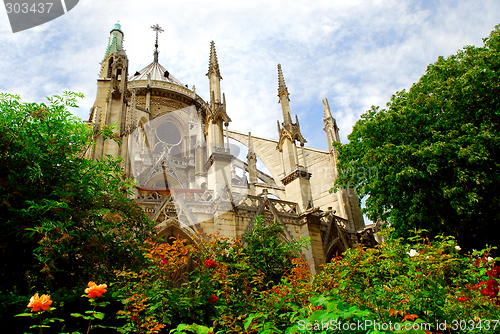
(157, 29)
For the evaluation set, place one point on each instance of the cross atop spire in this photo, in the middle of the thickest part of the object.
(157, 29)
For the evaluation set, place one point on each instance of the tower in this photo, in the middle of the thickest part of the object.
(110, 106)
(219, 161)
(296, 180)
(347, 199)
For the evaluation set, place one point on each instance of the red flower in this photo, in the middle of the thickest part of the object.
(494, 272)
(477, 286)
(491, 289)
(163, 261)
(213, 299)
(210, 264)
(462, 299)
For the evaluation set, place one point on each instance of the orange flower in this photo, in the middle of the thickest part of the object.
(39, 303)
(95, 290)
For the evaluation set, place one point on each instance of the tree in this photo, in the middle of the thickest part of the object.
(269, 251)
(65, 219)
(432, 159)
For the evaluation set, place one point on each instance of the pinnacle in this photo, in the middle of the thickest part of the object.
(250, 143)
(326, 108)
(213, 64)
(281, 79)
(282, 89)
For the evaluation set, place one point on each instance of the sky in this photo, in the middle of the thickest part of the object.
(355, 53)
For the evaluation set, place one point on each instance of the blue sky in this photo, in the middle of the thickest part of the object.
(355, 53)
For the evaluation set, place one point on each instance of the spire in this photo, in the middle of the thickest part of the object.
(157, 29)
(331, 129)
(213, 64)
(214, 76)
(115, 40)
(326, 108)
(282, 90)
(284, 99)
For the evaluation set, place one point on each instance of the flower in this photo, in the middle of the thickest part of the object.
(40, 303)
(494, 272)
(458, 248)
(490, 259)
(213, 299)
(462, 299)
(491, 289)
(210, 264)
(95, 290)
(477, 286)
(413, 253)
(163, 261)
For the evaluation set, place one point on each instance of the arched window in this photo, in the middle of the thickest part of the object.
(110, 67)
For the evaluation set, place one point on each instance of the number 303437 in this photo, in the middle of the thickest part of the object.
(41, 7)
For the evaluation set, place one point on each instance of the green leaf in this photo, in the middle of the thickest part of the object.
(248, 321)
(98, 315)
(24, 315)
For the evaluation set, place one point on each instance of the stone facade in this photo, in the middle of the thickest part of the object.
(176, 146)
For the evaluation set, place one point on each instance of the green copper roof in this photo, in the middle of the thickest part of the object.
(117, 27)
(115, 41)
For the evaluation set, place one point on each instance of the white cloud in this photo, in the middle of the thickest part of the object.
(355, 53)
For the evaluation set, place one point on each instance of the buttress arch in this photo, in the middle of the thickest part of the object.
(266, 151)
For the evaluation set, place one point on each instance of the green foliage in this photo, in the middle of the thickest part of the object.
(401, 286)
(417, 279)
(194, 328)
(269, 251)
(213, 281)
(65, 219)
(432, 158)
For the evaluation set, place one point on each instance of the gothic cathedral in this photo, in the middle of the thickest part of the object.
(177, 148)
